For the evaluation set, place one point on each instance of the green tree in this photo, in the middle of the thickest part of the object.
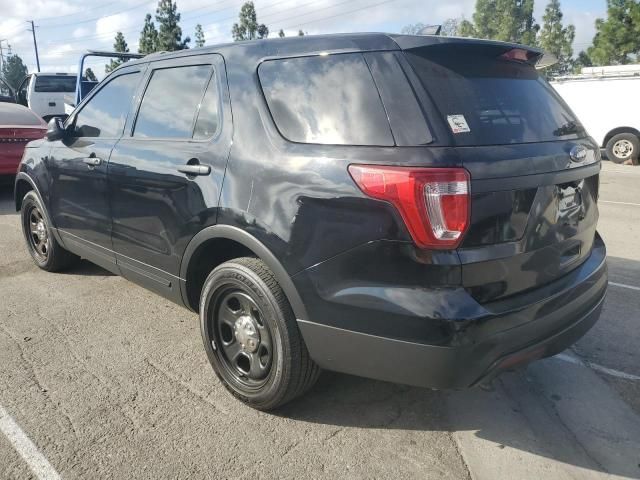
(199, 36)
(89, 75)
(557, 39)
(506, 20)
(148, 37)
(583, 60)
(120, 45)
(169, 31)
(14, 70)
(617, 39)
(248, 28)
(281, 33)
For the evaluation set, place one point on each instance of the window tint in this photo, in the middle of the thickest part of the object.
(55, 83)
(325, 99)
(105, 113)
(209, 113)
(500, 101)
(171, 101)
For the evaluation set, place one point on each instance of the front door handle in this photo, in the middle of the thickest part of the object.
(195, 169)
(92, 161)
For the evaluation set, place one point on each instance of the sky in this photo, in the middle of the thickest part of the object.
(67, 28)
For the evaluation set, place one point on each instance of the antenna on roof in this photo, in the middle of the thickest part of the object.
(431, 30)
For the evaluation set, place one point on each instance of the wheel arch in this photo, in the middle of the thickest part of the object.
(236, 242)
(23, 185)
(618, 130)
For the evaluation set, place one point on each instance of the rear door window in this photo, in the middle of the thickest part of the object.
(172, 101)
(487, 100)
(326, 99)
(55, 83)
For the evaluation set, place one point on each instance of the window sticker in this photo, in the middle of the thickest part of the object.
(458, 124)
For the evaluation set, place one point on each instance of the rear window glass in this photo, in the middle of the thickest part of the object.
(12, 114)
(55, 83)
(491, 101)
(325, 99)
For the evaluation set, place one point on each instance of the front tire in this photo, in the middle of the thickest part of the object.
(42, 245)
(251, 335)
(623, 147)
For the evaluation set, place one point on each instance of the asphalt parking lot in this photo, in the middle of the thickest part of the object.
(108, 380)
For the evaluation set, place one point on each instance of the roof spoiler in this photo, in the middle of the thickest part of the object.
(509, 51)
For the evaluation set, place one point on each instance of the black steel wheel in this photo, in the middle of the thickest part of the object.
(245, 348)
(251, 336)
(38, 235)
(42, 245)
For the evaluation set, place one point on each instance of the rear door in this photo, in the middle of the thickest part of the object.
(48, 92)
(165, 174)
(534, 172)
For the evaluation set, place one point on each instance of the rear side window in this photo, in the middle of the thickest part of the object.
(172, 101)
(486, 100)
(55, 83)
(329, 99)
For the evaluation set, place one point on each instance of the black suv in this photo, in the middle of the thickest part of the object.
(415, 209)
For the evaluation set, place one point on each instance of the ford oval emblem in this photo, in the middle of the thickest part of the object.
(578, 154)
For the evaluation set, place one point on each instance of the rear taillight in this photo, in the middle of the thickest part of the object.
(433, 202)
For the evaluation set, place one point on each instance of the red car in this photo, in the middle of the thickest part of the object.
(18, 126)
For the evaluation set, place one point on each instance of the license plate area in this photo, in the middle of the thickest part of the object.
(569, 198)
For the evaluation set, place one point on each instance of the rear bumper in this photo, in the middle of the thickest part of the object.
(508, 333)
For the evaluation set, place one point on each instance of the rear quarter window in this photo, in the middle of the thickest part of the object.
(326, 99)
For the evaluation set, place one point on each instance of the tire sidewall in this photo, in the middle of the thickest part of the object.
(31, 200)
(635, 141)
(238, 276)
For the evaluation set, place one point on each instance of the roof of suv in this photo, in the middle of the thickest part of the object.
(333, 43)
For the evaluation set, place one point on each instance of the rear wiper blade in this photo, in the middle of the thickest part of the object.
(567, 129)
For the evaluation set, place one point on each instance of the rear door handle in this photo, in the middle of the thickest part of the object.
(195, 169)
(92, 161)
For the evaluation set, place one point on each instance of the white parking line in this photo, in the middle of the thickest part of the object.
(622, 285)
(39, 465)
(619, 203)
(594, 366)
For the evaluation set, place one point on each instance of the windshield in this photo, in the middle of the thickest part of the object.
(487, 100)
(55, 83)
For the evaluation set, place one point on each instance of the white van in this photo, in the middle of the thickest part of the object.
(607, 102)
(44, 93)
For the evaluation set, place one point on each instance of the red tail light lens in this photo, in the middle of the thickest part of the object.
(433, 202)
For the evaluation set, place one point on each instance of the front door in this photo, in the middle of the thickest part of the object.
(78, 166)
(165, 176)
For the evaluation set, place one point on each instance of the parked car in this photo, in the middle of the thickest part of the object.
(7, 95)
(611, 113)
(44, 93)
(18, 126)
(415, 209)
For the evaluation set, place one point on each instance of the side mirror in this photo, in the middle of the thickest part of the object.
(55, 129)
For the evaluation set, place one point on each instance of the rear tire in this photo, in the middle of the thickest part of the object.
(251, 335)
(623, 147)
(42, 245)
